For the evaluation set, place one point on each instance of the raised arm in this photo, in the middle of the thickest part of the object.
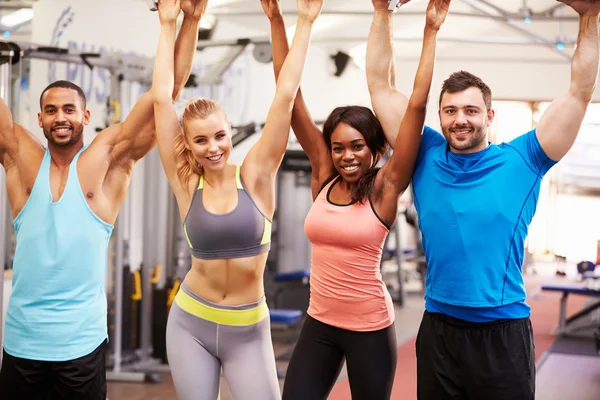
(560, 124)
(306, 131)
(395, 175)
(266, 155)
(187, 41)
(165, 115)
(388, 103)
(136, 135)
(8, 141)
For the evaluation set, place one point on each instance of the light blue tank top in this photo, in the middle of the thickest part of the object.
(57, 310)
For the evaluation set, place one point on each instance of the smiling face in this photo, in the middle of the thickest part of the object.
(63, 116)
(209, 140)
(350, 154)
(465, 120)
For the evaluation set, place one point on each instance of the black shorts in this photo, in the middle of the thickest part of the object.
(79, 379)
(457, 359)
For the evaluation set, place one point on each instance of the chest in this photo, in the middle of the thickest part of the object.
(487, 193)
(222, 201)
(349, 226)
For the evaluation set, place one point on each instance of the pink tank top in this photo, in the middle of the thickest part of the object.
(346, 288)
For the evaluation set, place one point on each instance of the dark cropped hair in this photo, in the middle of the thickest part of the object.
(363, 120)
(462, 80)
(65, 85)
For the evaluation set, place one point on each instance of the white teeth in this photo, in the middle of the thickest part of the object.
(215, 158)
(352, 168)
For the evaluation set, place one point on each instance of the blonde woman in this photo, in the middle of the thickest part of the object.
(219, 319)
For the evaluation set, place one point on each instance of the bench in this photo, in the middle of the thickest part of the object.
(564, 323)
(285, 317)
(302, 275)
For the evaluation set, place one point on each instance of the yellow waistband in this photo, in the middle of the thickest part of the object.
(219, 316)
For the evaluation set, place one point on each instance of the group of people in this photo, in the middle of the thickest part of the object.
(474, 199)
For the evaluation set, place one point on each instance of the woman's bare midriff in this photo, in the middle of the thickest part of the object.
(233, 281)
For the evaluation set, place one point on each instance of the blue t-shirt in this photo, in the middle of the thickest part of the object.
(474, 211)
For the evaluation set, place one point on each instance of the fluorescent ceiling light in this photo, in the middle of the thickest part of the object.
(17, 18)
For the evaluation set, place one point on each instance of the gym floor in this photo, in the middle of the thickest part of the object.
(560, 376)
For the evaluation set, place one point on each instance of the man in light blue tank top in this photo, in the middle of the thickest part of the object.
(65, 199)
(475, 201)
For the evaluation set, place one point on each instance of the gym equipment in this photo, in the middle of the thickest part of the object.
(566, 325)
(585, 266)
(152, 5)
(263, 53)
(394, 5)
(5, 93)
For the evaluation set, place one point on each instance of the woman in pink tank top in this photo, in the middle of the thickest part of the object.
(351, 314)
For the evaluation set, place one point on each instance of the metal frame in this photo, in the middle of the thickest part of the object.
(548, 15)
(5, 93)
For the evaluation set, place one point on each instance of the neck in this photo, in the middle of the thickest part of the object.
(347, 186)
(63, 155)
(218, 178)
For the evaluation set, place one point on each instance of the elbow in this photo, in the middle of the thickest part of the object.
(286, 93)
(583, 95)
(378, 85)
(417, 105)
(160, 97)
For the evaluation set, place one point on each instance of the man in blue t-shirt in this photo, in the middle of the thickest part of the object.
(475, 201)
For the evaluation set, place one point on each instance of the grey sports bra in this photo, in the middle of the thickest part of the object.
(243, 232)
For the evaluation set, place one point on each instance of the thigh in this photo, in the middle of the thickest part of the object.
(194, 369)
(83, 378)
(438, 368)
(501, 364)
(23, 379)
(371, 362)
(315, 363)
(248, 361)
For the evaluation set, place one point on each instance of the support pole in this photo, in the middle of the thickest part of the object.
(115, 93)
(5, 94)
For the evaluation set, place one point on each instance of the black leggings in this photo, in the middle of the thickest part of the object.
(319, 355)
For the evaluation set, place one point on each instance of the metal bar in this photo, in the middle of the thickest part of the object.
(16, 5)
(494, 7)
(477, 4)
(252, 13)
(5, 94)
(149, 250)
(132, 67)
(115, 92)
(550, 11)
(216, 74)
(338, 39)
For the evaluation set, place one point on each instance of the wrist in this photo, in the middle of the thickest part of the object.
(302, 19)
(431, 29)
(168, 23)
(276, 18)
(192, 17)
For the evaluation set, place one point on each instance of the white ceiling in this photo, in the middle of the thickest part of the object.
(467, 33)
